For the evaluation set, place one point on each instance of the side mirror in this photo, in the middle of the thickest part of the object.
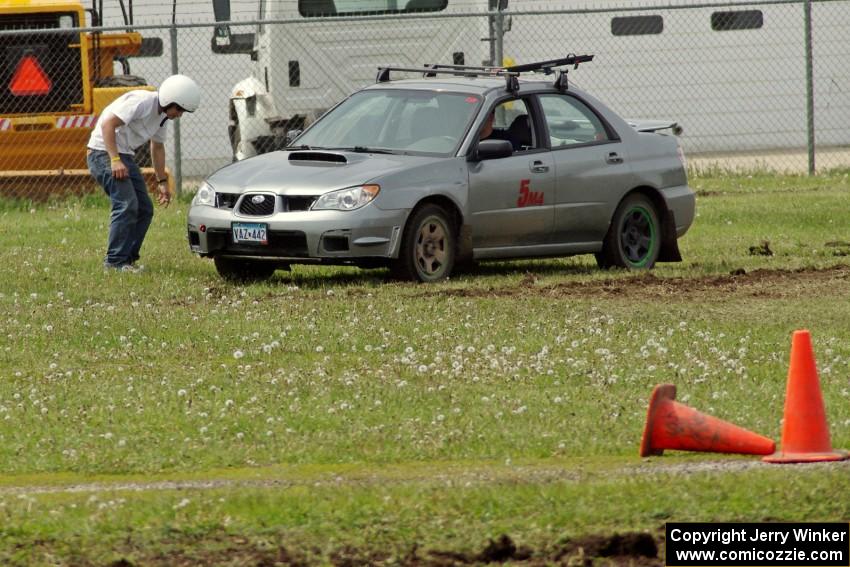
(492, 149)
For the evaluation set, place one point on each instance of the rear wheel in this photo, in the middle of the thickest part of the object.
(428, 247)
(634, 238)
(234, 269)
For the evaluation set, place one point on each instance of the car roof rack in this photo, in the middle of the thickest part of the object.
(510, 74)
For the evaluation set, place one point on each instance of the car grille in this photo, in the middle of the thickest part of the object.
(289, 203)
(226, 200)
(265, 207)
(298, 203)
(282, 243)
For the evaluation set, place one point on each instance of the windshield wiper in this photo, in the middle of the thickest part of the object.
(303, 147)
(365, 150)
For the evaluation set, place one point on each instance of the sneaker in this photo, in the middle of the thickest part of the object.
(129, 268)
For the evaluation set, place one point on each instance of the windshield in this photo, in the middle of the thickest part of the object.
(407, 121)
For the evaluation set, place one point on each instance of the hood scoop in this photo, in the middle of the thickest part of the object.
(312, 156)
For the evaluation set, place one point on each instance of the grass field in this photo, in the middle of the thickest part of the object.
(331, 416)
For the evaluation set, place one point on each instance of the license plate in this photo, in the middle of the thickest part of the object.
(250, 232)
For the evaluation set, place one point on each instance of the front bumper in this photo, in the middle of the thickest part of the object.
(301, 236)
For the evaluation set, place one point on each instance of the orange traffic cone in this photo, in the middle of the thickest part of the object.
(671, 425)
(805, 433)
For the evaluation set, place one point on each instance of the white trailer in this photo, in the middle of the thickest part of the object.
(306, 64)
(732, 72)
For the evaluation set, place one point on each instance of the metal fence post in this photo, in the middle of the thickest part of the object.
(178, 155)
(499, 36)
(810, 90)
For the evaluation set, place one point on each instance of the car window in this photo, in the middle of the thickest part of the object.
(570, 121)
(511, 121)
(403, 120)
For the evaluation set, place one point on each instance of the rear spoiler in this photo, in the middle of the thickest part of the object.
(655, 126)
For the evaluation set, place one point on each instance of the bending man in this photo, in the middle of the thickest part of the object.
(135, 118)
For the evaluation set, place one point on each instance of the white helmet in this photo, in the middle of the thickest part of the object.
(180, 90)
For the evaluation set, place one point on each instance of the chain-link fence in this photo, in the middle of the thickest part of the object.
(762, 81)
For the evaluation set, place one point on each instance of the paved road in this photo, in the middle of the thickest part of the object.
(779, 161)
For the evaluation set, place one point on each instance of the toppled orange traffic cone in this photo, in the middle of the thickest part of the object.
(671, 425)
(805, 433)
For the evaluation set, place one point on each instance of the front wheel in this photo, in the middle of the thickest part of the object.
(234, 269)
(634, 238)
(428, 247)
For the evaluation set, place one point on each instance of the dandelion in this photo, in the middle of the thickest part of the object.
(182, 504)
(181, 393)
(237, 354)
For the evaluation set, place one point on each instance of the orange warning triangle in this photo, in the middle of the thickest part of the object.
(29, 78)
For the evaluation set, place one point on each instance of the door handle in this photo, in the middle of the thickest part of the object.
(613, 157)
(538, 166)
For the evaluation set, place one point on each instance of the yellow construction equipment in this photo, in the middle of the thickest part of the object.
(56, 81)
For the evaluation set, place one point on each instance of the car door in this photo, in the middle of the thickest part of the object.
(592, 172)
(511, 198)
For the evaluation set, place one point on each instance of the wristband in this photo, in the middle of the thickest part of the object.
(116, 158)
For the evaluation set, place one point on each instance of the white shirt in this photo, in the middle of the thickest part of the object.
(139, 111)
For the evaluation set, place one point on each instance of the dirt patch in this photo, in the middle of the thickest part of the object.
(634, 549)
(770, 284)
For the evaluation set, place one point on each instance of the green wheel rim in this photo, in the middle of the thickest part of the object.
(638, 236)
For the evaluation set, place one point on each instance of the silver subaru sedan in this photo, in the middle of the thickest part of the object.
(464, 164)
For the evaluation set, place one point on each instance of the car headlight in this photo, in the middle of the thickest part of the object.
(204, 196)
(347, 199)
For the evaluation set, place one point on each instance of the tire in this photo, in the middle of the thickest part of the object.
(234, 269)
(634, 237)
(428, 246)
(122, 81)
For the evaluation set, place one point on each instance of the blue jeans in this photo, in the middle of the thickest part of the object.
(132, 208)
